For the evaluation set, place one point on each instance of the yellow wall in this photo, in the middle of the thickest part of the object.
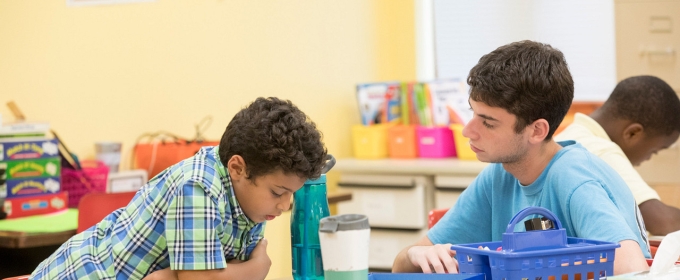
(115, 72)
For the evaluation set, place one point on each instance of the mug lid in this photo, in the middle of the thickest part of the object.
(343, 222)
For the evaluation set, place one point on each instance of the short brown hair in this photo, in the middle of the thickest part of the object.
(530, 80)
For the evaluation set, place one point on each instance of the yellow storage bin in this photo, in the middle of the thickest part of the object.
(462, 143)
(369, 142)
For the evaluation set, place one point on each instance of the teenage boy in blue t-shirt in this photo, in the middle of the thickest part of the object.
(519, 94)
(203, 218)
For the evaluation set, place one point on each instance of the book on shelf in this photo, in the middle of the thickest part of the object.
(24, 127)
(23, 131)
(449, 98)
(379, 102)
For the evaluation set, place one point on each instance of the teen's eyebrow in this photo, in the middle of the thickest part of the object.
(486, 117)
(284, 188)
(481, 115)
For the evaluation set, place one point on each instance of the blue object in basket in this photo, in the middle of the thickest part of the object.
(538, 253)
(431, 276)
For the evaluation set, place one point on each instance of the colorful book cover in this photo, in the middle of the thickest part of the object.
(413, 110)
(43, 167)
(405, 105)
(35, 205)
(30, 186)
(450, 101)
(15, 150)
(378, 102)
(392, 111)
(421, 104)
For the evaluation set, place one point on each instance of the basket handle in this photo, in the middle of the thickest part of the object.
(531, 211)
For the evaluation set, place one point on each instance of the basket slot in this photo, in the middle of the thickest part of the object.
(556, 276)
(561, 272)
(603, 257)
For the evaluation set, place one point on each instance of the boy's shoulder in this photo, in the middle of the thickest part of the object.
(204, 169)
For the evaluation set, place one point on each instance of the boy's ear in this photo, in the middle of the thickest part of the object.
(539, 130)
(632, 134)
(237, 167)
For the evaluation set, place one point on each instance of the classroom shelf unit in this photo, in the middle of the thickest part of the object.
(397, 194)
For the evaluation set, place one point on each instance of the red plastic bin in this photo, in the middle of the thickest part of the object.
(538, 254)
(91, 178)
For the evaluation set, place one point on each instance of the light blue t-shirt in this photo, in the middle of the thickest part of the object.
(588, 197)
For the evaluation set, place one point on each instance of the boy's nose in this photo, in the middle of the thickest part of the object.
(285, 204)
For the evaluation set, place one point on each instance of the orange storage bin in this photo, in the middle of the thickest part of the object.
(401, 141)
(462, 143)
(369, 142)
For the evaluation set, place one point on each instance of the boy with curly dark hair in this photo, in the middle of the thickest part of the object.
(204, 217)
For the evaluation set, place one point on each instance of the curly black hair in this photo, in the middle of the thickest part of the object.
(648, 101)
(530, 80)
(273, 134)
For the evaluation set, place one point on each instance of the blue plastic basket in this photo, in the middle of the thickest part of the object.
(431, 276)
(539, 254)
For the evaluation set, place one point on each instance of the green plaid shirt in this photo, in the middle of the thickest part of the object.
(186, 218)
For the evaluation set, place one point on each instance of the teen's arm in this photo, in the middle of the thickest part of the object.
(660, 219)
(425, 257)
(629, 258)
(256, 268)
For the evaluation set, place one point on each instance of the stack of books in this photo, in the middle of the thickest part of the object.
(30, 170)
(434, 103)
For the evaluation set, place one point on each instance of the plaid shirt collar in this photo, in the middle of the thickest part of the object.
(235, 207)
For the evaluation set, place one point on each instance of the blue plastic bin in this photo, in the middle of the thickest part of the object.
(539, 254)
(432, 276)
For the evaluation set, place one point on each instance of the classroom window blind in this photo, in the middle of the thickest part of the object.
(583, 30)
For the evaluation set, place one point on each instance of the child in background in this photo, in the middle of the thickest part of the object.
(203, 217)
(519, 94)
(640, 118)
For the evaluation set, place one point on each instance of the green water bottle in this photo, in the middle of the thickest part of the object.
(310, 205)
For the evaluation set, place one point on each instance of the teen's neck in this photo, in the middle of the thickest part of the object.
(530, 167)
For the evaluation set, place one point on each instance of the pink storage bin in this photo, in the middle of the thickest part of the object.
(435, 142)
(91, 178)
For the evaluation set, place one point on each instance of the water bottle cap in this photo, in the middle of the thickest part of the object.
(343, 222)
(330, 162)
(320, 180)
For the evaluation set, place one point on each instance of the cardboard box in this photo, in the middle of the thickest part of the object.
(30, 186)
(29, 149)
(35, 205)
(28, 168)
